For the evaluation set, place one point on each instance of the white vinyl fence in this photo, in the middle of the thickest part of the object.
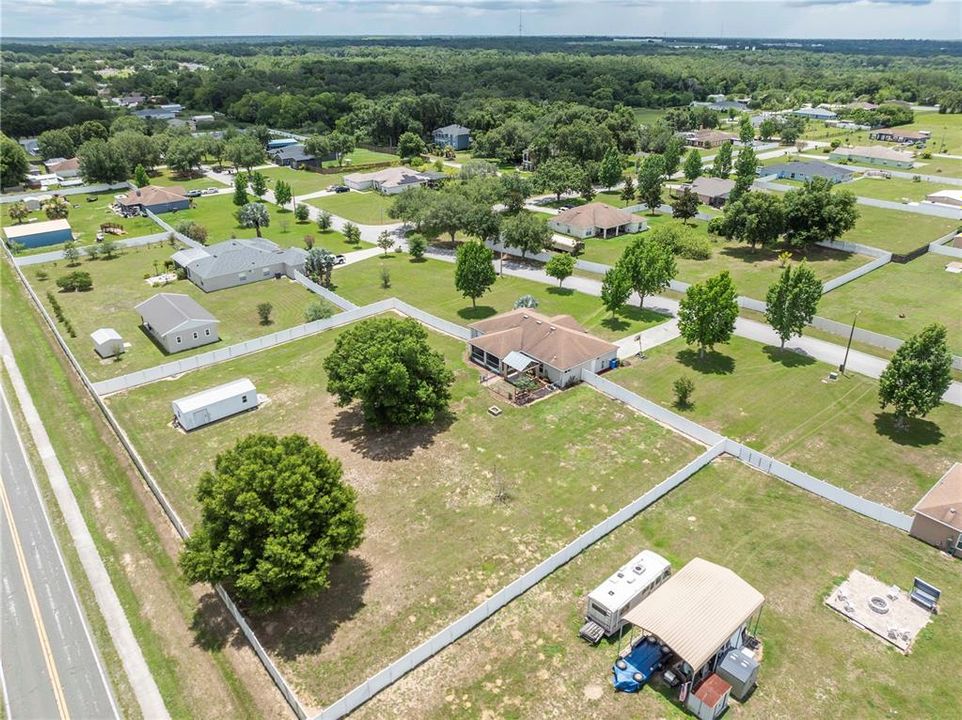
(858, 272)
(165, 505)
(460, 627)
(78, 190)
(946, 250)
(328, 295)
(169, 228)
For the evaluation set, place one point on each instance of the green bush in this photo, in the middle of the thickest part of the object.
(78, 280)
(693, 247)
(417, 245)
(317, 310)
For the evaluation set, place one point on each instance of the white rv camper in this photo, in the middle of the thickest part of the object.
(211, 405)
(608, 603)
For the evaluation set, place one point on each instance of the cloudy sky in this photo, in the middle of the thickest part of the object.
(925, 19)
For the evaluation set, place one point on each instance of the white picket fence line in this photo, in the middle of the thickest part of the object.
(162, 500)
(756, 459)
(463, 625)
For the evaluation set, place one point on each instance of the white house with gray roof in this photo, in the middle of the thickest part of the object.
(238, 262)
(177, 322)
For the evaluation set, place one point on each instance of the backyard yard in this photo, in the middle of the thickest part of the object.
(302, 182)
(85, 219)
(118, 285)
(778, 402)
(894, 189)
(216, 213)
(896, 230)
(165, 176)
(502, 504)
(366, 208)
(528, 661)
(429, 285)
(900, 300)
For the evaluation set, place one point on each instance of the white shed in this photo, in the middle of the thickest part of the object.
(107, 342)
(214, 404)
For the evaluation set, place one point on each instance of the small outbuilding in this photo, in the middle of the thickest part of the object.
(740, 670)
(701, 613)
(214, 404)
(178, 322)
(710, 699)
(937, 517)
(39, 234)
(107, 342)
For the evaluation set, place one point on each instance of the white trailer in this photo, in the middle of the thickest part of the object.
(215, 404)
(607, 604)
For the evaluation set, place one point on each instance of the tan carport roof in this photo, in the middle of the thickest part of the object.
(696, 610)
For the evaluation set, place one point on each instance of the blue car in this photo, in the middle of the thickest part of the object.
(631, 672)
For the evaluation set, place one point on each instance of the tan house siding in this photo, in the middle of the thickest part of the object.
(935, 533)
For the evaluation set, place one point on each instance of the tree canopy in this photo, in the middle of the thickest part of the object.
(818, 212)
(918, 375)
(707, 313)
(792, 300)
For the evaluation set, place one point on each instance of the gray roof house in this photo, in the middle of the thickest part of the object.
(808, 170)
(177, 322)
(294, 155)
(238, 262)
(815, 113)
(456, 136)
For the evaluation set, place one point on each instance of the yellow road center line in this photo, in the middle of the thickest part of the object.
(35, 609)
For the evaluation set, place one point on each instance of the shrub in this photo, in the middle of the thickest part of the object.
(693, 247)
(324, 221)
(417, 245)
(784, 258)
(42, 275)
(526, 301)
(683, 388)
(78, 280)
(302, 213)
(264, 311)
(194, 230)
(385, 277)
(317, 310)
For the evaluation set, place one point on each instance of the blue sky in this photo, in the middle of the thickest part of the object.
(921, 19)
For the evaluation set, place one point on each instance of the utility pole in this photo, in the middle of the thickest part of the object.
(851, 334)
(520, 26)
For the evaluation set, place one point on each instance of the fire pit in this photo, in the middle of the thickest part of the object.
(878, 604)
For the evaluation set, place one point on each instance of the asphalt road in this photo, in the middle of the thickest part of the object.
(49, 667)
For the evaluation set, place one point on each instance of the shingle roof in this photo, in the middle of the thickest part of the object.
(557, 341)
(294, 152)
(874, 151)
(711, 135)
(712, 186)
(393, 177)
(697, 609)
(153, 195)
(812, 168)
(166, 312)
(453, 130)
(595, 215)
(234, 256)
(944, 501)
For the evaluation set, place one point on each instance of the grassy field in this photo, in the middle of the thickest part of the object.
(301, 181)
(403, 584)
(166, 177)
(900, 300)
(85, 219)
(429, 285)
(896, 230)
(894, 189)
(119, 286)
(216, 213)
(527, 661)
(201, 668)
(777, 402)
(367, 208)
(362, 156)
(950, 167)
(334, 241)
(751, 270)
(946, 131)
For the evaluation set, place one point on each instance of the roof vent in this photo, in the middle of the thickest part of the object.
(639, 569)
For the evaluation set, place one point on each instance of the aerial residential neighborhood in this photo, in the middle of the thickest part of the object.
(481, 361)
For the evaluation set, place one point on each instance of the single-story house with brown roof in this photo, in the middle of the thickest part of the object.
(710, 190)
(556, 348)
(596, 219)
(63, 167)
(937, 517)
(908, 137)
(155, 198)
(708, 138)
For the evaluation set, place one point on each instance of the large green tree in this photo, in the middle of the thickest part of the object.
(615, 289)
(13, 162)
(722, 164)
(56, 144)
(410, 145)
(650, 181)
(671, 157)
(746, 166)
(244, 151)
(707, 313)
(558, 175)
(693, 165)
(757, 219)
(560, 267)
(389, 366)
(474, 271)
(514, 191)
(254, 215)
(685, 206)
(918, 375)
(101, 162)
(792, 301)
(275, 515)
(525, 232)
(610, 169)
(184, 154)
(649, 266)
(818, 212)
(137, 149)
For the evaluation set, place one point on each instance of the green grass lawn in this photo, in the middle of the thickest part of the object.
(528, 661)
(414, 486)
(216, 213)
(896, 230)
(166, 177)
(302, 182)
(362, 156)
(85, 219)
(894, 189)
(429, 285)
(334, 241)
(751, 270)
(367, 208)
(949, 167)
(119, 286)
(777, 402)
(946, 131)
(900, 300)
